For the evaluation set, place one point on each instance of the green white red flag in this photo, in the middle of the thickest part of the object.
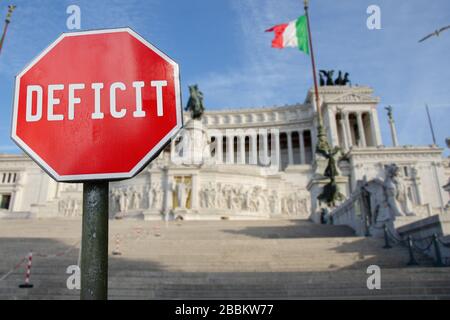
(292, 34)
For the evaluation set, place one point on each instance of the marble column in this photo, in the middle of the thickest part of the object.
(333, 128)
(417, 185)
(344, 132)
(348, 129)
(253, 158)
(373, 133)
(362, 135)
(16, 205)
(264, 148)
(375, 128)
(230, 149)
(275, 153)
(313, 132)
(434, 165)
(12, 201)
(302, 147)
(393, 133)
(241, 154)
(290, 151)
(219, 149)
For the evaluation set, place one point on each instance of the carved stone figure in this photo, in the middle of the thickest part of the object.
(397, 193)
(135, 199)
(181, 193)
(150, 196)
(388, 199)
(115, 206)
(123, 201)
(294, 204)
(274, 202)
(75, 207)
(207, 195)
(251, 199)
(157, 196)
(380, 212)
(221, 201)
(212, 198)
(69, 207)
(203, 198)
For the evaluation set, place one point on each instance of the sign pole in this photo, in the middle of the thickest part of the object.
(94, 247)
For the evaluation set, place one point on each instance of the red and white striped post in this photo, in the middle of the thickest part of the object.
(157, 231)
(139, 232)
(27, 283)
(116, 251)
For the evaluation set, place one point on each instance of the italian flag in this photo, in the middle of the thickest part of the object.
(292, 34)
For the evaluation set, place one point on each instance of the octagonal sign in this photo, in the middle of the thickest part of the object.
(97, 105)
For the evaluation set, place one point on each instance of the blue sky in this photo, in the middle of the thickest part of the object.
(221, 45)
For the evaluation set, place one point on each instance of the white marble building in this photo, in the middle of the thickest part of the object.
(237, 171)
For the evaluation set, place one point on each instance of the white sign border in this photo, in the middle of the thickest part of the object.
(107, 176)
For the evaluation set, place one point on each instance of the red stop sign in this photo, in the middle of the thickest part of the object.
(97, 105)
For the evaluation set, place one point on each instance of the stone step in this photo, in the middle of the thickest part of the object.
(228, 259)
(206, 292)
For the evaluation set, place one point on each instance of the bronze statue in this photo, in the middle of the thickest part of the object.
(330, 193)
(339, 80)
(326, 78)
(329, 76)
(322, 81)
(390, 114)
(195, 103)
(346, 79)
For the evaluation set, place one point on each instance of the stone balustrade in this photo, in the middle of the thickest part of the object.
(352, 213)
(8, 177)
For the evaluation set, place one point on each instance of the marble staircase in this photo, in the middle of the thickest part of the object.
(264, 259)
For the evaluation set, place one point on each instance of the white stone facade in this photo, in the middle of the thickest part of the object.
(244, 164)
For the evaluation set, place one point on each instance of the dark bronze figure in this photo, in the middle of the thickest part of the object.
(195, 103)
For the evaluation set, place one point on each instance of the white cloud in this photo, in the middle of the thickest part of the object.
(265, 76)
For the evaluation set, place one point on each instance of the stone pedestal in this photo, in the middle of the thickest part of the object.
(130, 215)
(193, 148)
(153, 215)
(179, 213)
(315, 187)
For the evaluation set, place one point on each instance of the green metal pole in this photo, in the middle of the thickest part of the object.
(94, 249)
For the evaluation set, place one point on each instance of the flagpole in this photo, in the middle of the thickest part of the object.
(5, 29)
(7, 22)
(431, 124)
(322, 143)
